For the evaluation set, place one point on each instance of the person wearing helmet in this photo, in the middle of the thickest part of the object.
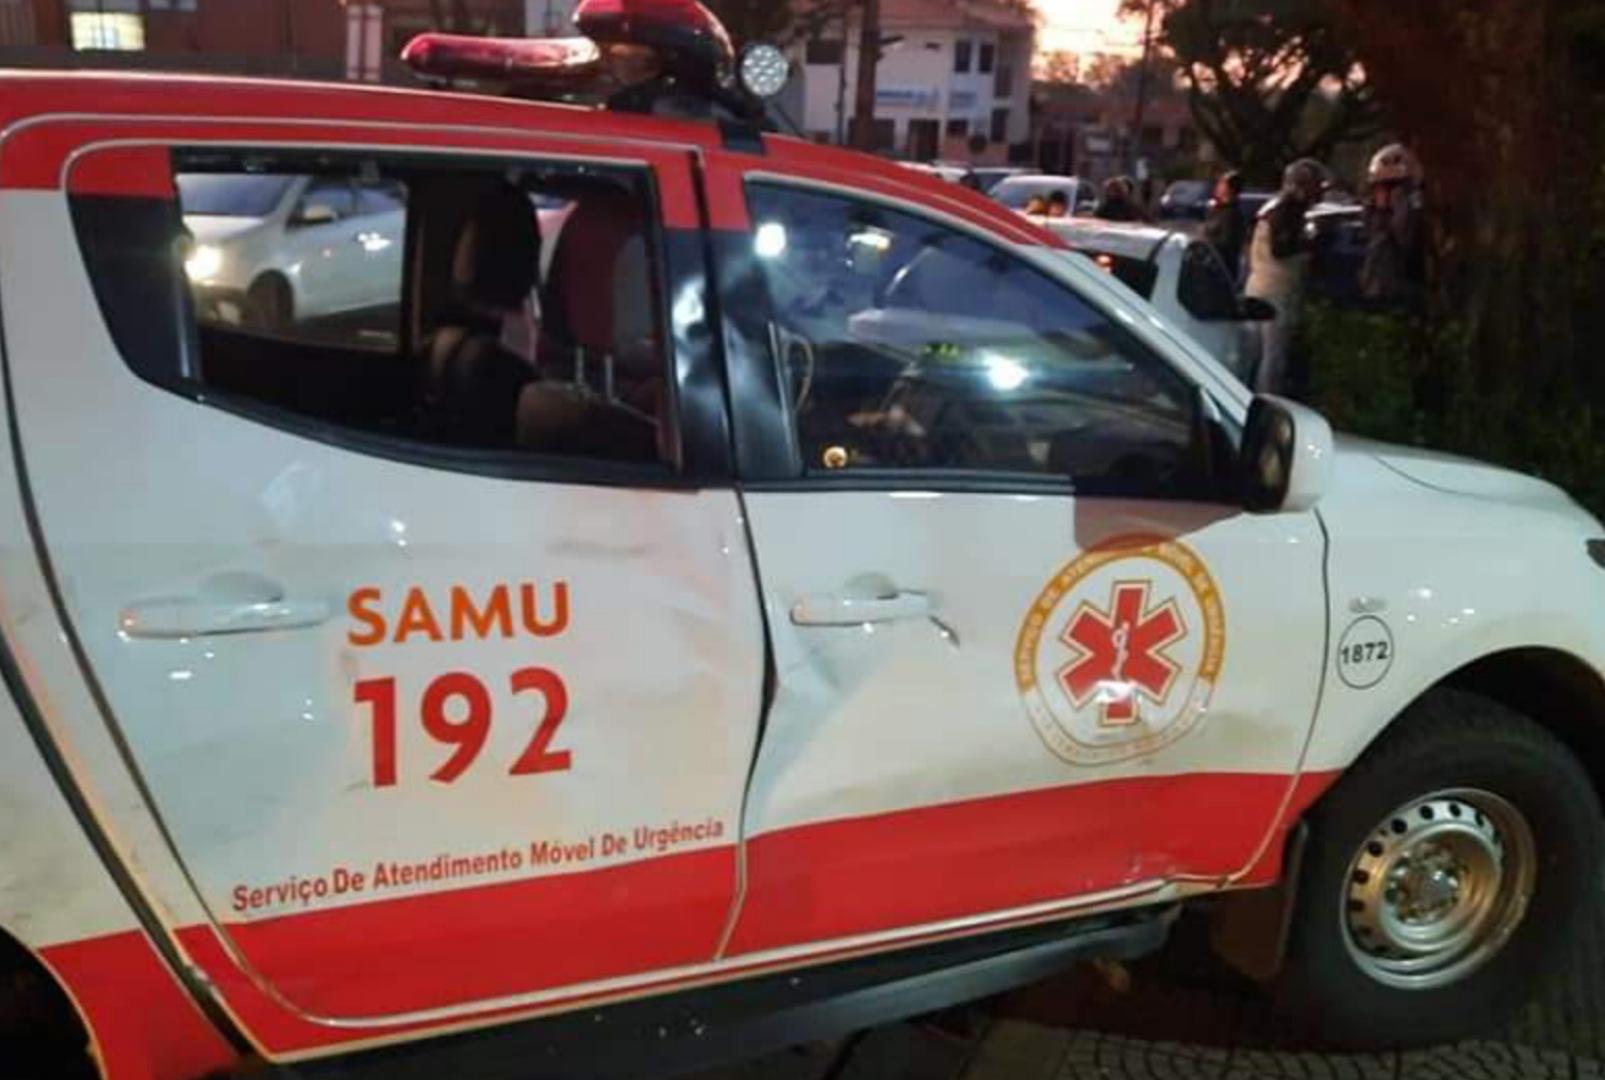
(1279, 266)
(1394, 270)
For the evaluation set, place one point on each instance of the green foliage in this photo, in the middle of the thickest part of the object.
(1400, 379)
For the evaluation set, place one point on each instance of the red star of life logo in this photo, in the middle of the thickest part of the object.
(1120, 653)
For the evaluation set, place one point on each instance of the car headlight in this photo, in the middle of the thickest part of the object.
(205, 262)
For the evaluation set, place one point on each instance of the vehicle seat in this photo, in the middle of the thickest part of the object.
(603, 390)
(470, 381)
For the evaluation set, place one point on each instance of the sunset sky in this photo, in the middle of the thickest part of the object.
(1086, 26)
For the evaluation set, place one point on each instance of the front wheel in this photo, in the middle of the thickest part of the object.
(1448, 873)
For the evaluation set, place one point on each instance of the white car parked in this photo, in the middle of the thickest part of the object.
(1016, 192)
(273, 251)
(1183, 278)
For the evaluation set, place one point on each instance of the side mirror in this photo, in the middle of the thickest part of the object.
(1253, 309)
(315, 214)
(1287, 457)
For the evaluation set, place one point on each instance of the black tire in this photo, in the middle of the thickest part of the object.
(269, 305)
(1447, 740)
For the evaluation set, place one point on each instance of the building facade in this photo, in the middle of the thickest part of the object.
(953, 82)
(326, 39)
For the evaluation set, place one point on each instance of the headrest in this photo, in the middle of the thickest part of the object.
(498, 258)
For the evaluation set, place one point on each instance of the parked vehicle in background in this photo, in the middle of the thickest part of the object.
(1186, 200)
(1337, 236)
(273, 251)
(1016, 192)
(1183, 278)
(987, 177)
(1255, 201)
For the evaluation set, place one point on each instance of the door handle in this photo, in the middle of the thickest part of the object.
(227, 604)
(839, 610)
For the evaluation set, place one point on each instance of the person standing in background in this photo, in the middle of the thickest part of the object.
(1279, 266)
(1226, 226)
(1394, 271)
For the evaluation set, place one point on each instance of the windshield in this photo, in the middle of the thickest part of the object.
(1015, 194)
(233, 195)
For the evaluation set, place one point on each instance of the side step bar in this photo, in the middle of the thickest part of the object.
(703, 1028)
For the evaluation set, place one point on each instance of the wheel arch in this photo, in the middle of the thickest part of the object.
(33, 999)
(1561, 692)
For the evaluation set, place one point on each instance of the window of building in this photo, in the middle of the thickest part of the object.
(989, 58)
(962, 52)
(461, 307)
(958, 128)
(825, 51)
(107, 25)
(1003, 85)
(1000, 125)
(913, 347)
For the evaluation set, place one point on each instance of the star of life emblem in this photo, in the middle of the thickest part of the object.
(1120, 654)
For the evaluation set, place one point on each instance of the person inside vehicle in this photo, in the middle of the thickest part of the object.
(1225, 226)
(1036, 206)
(1119, 202)
(1394, 271)
(1279, 266)
(1058, 205)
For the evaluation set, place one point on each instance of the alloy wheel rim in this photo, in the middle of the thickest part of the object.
(1437, 888)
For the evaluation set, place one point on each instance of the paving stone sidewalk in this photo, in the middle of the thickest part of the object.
(1179, 1017)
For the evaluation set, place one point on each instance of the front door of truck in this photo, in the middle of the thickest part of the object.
(438, 652)
(1028, 656)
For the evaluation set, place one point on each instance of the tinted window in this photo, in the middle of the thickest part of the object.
(1138, 275)
(1205, 288)
(234, 195)
(459, 307)
(910, 346)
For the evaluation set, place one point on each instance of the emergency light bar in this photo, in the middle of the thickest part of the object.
(672, 46)
(461, 56)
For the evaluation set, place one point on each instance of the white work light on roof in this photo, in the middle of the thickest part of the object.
(764, 70)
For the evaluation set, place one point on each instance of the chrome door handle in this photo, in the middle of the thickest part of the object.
(838, 610)
(226, 604)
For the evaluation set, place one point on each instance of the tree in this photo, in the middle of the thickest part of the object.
(1059, 66)
(1503, 102)
(754, 20)
(1257, 71)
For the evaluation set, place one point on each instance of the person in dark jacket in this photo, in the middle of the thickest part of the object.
(1226, 226)
(1119, 202)
(1394, 271)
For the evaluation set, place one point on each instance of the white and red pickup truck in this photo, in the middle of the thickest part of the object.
(726, 588)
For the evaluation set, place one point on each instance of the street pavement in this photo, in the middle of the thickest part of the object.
(1180, 1016)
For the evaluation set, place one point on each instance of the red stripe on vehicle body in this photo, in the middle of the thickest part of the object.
(806, 886)
(144, 1025)
(864, 875)
(37, 158)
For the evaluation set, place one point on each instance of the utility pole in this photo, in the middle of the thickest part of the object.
(869, 57)
(1135, 148)
(841, 77)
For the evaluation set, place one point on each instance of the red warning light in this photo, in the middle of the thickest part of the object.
(688, 35)
(458, 55)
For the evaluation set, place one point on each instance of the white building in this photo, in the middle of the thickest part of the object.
(954, 80)
(549, 18)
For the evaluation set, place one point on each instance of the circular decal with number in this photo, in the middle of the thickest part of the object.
(1365, 653)
(1120, 654)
